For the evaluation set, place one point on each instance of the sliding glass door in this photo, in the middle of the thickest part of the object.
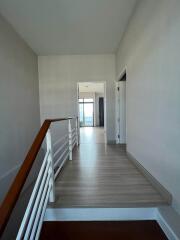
(86, 112)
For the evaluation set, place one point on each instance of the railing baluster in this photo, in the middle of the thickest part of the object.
(39, 210)
(60, 157)
(77, 132)
(32, 198)
(37, 200)
(49, 148)
(60, 148)
(42, 213)
(44, 188)
(61, 165)
(70, 139)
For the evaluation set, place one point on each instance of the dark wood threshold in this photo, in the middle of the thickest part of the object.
(102, 230)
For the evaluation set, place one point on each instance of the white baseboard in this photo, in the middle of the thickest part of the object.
(99, 214)
(169, 221)
(166, 228)
(160, 188)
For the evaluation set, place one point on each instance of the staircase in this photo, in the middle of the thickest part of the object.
(98, 194)
(125, 230)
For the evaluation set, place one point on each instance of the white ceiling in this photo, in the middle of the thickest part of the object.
(69, 26)
(91, 87)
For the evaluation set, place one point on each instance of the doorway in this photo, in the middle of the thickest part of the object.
(101, 112)
(121, 109)
(92, 112)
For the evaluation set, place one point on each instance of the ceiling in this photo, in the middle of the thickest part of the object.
(69, 26)
(91, 87)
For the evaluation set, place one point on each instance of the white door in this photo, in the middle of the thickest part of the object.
(121, 119)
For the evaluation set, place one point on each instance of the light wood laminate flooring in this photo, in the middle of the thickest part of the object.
(101, 175)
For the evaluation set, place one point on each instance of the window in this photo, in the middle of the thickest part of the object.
(86, 112)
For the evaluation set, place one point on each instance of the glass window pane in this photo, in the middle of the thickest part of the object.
(88, 100)
(81, 113)
(88, 114)
(80, 100)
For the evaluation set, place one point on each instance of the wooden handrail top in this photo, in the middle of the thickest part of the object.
(58, 119)
(14, 191)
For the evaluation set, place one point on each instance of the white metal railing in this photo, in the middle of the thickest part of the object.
(44, 188)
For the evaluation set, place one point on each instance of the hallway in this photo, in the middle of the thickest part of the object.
(92, 135)
(101, 175)
(90, 116)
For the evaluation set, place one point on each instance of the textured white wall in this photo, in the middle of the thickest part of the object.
(86, 95)
(58, 78)
(150, 50)
(19, 102)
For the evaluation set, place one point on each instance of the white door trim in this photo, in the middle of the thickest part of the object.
(117, 107)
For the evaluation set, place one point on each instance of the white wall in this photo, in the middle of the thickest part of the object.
(151, 51)
(19, 102)
(86, 95)
(58, 78)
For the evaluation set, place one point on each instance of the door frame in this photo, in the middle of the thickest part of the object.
(105, 112)
(117, 106)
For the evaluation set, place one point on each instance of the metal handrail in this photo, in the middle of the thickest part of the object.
(15, 189)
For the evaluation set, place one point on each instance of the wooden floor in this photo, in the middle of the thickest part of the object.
(91, 135)
(101, 175)
(125, 230)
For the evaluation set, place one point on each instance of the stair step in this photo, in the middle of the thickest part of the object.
(102, 230)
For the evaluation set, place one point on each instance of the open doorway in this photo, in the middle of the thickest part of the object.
(121, 109)
(91, 108)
